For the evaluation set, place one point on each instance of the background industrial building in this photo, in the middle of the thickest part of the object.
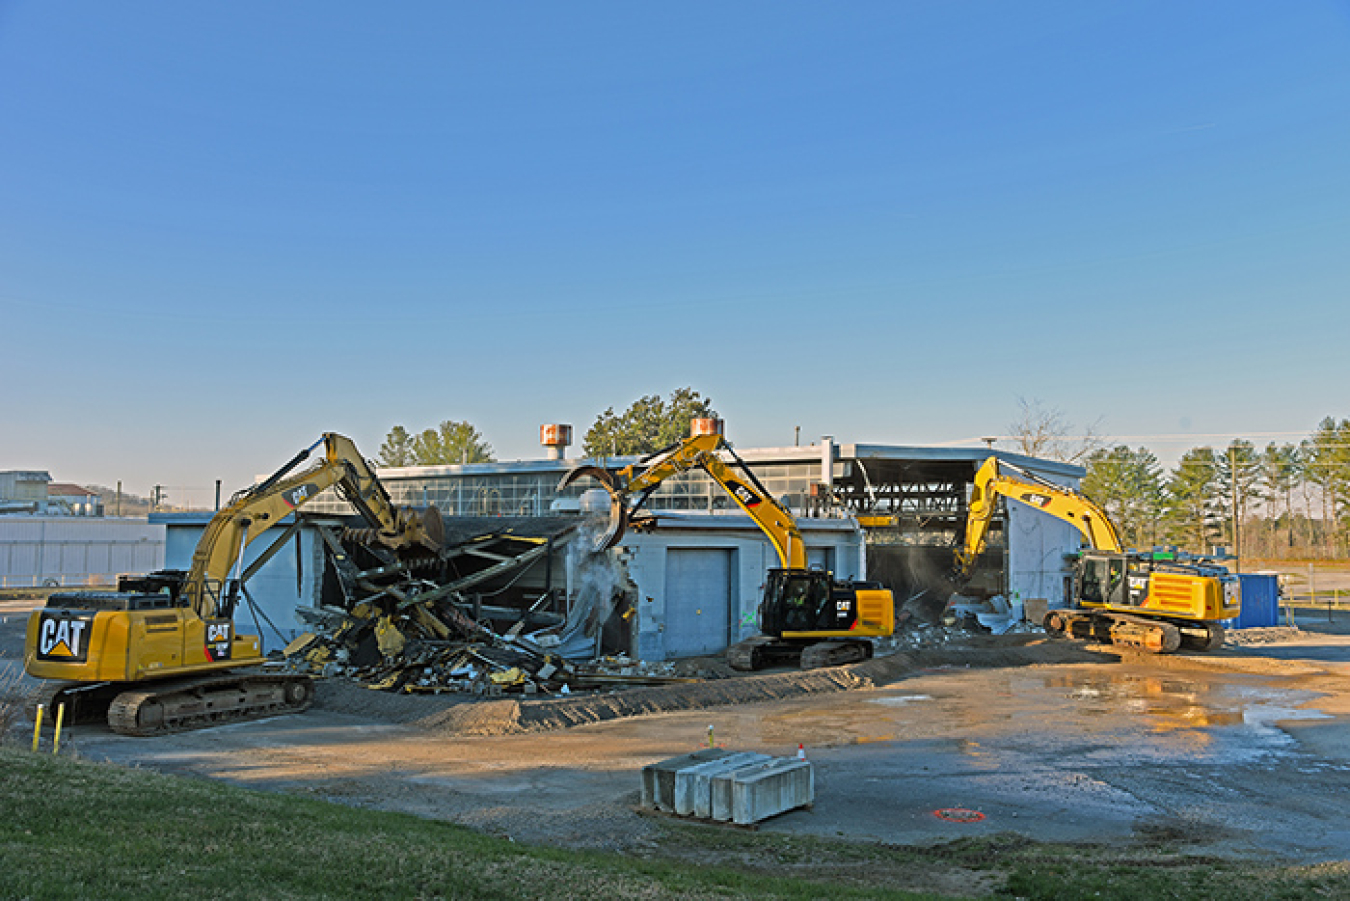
(54, 534)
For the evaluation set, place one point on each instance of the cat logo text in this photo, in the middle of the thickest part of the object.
(743, 494)
(64, 638)
(218, 637)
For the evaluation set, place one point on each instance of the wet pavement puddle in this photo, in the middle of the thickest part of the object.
(1103, 717)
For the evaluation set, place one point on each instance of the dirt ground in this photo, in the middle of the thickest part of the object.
(1244, 752)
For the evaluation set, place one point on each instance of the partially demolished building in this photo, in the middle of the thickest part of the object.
(518, 559)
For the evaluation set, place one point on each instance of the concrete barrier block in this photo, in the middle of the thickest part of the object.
(753, 794)
(658, 779)
(720, 790)
(693, 784)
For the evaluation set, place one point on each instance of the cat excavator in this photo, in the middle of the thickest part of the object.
(807, 617)
(1139, 599)
(161, 654)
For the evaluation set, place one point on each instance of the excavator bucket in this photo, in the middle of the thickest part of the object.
(424, 528)
(420, 530)
(618, 509)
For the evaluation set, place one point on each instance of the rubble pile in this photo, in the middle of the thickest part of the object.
(918, 635)
(401, 631)
(432, 647)
(420, 647)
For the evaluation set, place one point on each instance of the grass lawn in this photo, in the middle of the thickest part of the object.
(74, 829)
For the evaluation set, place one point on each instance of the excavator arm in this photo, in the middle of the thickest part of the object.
(996, 477)
(255, 510)
(631, 486)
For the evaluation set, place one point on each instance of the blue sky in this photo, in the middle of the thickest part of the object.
(226, 228)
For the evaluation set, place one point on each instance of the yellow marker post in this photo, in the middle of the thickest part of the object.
(37, 728)
(60, 715)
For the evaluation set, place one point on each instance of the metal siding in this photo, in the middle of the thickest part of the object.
(698, 601)
(75, 552)
(1037, 544)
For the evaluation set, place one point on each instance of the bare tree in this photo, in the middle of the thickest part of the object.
(1046, 433)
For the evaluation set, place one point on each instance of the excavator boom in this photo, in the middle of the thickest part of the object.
(996, 477)
(254, 510)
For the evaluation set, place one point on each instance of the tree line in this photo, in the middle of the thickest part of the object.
(650, 423)
(1283, 501)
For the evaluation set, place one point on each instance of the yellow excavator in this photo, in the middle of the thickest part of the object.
(1140, 599)
(807, 617)
(161, 653)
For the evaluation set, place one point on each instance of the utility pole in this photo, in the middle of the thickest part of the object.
(1233, 479)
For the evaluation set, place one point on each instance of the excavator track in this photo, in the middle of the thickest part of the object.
(184, 704)
(750, 655)
(834, 653)
(763, 651)
(83, 702)
(1151, 635)
(1202, 636)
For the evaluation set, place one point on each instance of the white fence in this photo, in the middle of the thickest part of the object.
(76, 551)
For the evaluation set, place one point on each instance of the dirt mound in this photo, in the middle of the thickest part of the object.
(1239, 638)
(456, 714)
(482, 718)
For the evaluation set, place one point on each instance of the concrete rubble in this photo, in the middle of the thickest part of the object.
(435, 648)
(414, 626)
(406, 633)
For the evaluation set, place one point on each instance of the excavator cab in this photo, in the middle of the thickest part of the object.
(1105, 579)
(797, 600)
(811, 602)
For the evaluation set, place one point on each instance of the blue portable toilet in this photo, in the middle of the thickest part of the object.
(1260, 601)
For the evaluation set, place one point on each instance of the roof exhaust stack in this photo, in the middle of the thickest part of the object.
(555, 438)
(827, 462)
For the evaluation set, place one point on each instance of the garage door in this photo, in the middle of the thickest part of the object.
(698, 601)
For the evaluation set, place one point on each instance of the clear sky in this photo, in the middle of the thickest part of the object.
(226, 228)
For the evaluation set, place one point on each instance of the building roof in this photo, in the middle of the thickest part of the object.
(27, 475)
(900, 453)
(66, 489)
